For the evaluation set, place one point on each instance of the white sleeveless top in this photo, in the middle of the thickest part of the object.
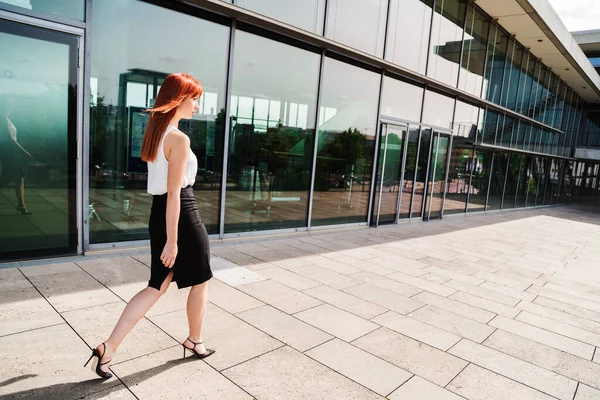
(159, 168)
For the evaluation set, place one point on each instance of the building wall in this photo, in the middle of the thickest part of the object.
(293, 132)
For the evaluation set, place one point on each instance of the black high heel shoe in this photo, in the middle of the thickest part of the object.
(96, 368)
(199, 356)
(23, 211)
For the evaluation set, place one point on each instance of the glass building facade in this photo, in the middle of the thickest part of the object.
(293, 132)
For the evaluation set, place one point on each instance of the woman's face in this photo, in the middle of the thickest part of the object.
(189, 107)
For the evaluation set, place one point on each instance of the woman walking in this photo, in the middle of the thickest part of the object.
(12, 155)
(178, 238)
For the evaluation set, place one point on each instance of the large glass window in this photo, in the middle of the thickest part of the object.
(421, 173)
(73, 9)
(474, 46)
(408, 33)
(346, 144)
(271, 142)
(465, 121)
(512, 74)
(480, 171)
(409, 171)
(125, 79)
(494, 72)
(438, 109)
(305, 14)
(508, 128)
(524, 182)
(401, 100)
(459, 175)
(512, 180)
(38, 136)
(490, 125)
(446, 38)
(497, 181)
(358, 23)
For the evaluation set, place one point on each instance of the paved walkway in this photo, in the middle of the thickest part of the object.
(503, 306)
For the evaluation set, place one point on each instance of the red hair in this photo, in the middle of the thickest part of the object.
(174, 90)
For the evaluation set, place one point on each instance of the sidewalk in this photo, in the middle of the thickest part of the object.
(497, 306)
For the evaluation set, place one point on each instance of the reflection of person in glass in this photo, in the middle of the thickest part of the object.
(178, 239)
(12, 154)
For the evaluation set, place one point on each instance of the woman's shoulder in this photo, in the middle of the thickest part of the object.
(177, 138)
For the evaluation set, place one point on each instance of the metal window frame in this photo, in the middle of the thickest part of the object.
(375, 152)
(487, 196)
(227, 128)
(45, 17)
(81, 157)
(311, 194)
(402, 171)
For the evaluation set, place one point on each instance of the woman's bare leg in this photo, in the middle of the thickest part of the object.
(196, 308)
(20, 192)
(137, 307)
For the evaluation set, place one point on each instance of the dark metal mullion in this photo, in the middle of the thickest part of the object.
(505, 180)
(489, 187)
(430, 34)
(412, 195)
(503, 71)
(227, 128)
(485, 59)
(86, 136)
(445, 176)
(473, 158)
(376, 151)
(520, 77)
(402, 171)
(530, 169)
(518, 180)
(387, 25)
(462, 44)
(311, 193)
(426, 181)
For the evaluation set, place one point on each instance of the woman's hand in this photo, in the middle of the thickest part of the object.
(169, 254)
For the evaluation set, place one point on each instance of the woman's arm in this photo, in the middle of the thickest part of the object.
(178, 147)
(22, 149)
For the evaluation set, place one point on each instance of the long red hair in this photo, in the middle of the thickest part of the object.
(173, 91)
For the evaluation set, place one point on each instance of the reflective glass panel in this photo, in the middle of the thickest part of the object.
(73, 9)
(272, 134)
(459, 175)
(305, 14)
(465, 121)
(512, 180)
(389, 173)
(38, 122)
(496, 58)
(346, 144)
(497, 181)
(125, 79)
(401, 100)
(408, 33)
(438, 109)
(512, 74)
(421, 173)
(473, 57)
(524, 182)
(446, 39)
(409, 171)
(358, 23)
(490, 124)
(480, 171)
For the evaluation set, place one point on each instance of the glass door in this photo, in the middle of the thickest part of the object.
(389, 174)
(436, 179)
(38, 141)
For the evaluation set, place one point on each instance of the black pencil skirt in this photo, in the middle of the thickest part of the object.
(192, 265)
